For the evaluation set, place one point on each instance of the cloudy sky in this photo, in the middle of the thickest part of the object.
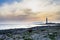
(29, 10)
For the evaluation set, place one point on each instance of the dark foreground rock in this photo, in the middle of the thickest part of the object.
(35, 33)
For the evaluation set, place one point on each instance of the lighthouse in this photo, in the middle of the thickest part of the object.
(46, 20)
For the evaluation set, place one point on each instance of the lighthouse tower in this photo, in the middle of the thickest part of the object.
(46, 20)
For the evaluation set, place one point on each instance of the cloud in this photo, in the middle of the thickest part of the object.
(58, 15)
(28, 9)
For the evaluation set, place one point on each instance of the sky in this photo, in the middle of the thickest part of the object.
(29, 10)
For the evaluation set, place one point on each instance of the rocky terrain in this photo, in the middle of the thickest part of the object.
(35, 33)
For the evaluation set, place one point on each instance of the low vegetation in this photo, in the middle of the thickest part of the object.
(38, 34)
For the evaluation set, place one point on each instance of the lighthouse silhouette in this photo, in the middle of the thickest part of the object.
(46, 20)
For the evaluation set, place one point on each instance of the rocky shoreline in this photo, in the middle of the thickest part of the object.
(34, 33)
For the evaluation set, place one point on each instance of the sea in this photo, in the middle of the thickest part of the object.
(13, 26)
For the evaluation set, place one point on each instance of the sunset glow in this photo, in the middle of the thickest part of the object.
(30, 10)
